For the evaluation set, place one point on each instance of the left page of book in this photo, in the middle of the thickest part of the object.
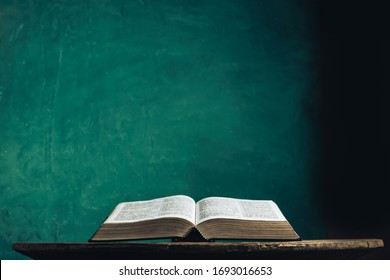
(178, 206)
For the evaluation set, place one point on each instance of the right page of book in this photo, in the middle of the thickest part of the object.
(232, 208)
(178, 206)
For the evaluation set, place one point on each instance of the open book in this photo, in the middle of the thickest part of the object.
(212, 218)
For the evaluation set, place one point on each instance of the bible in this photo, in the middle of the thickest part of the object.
(179, 217)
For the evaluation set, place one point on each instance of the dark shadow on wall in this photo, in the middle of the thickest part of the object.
(354, 46)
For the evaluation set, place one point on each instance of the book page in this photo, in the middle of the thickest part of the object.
(179, 206)
(231, 208)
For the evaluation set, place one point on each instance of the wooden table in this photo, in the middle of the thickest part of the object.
(308, 249)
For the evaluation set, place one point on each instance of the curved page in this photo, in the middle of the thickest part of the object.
(232, 208)
(178, 206)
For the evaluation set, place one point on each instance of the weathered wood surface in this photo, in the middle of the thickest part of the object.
(308, 249)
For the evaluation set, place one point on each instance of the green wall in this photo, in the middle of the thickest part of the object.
(110, 101)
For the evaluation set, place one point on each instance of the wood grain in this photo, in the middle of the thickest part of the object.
(308, 249)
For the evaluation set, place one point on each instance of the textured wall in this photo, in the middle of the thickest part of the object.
(110, 101)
